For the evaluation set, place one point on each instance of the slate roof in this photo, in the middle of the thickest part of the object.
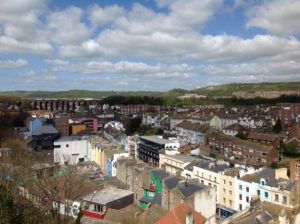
(46, 129)
(215, 167)
(160, 173)
(187, 189)
(269, 176)
(172, 182)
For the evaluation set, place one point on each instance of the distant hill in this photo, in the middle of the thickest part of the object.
(74, 94)
(250, 90)
(239, 90)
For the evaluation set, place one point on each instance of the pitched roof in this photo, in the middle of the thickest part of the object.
(193, 126)
(178, 216)
(160, 173)
(172, 182)
(235, 127)
(46, 129)
(151, 215)
(262, 136)
(187, 189)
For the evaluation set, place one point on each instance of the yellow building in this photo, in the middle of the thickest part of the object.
(77, 128)
(226, 191)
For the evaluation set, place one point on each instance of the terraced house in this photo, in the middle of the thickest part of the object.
(243, 151)
(192, 133)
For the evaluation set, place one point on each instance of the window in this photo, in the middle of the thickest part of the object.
(247, 189)
(240, 207)
(230, 202)
(284, 201)
(276, 197)
(262, 182)
(230, 183)
(224, 190)
(258, 192)
(97, 208)
(202, 181)
(241, 187)
(202, 174)
(224, 200)
(266, 194)
(57, 146)
(230, 192)
(215, 179)
(247, 199)
(241, 197)
(224, 181)
(67, 145)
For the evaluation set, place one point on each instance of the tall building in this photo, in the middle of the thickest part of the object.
(295, 169)
(150, 146)
(62, 125)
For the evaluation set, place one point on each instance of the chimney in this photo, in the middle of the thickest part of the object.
(189, 219)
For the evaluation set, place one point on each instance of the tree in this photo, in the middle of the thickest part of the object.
(290, 148)
(241, 136)
(132, 125)
(154, 131)
(277, 127)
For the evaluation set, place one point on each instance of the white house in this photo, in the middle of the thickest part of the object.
(71, 150)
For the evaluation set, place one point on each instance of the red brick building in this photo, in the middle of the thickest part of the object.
(243, 151)
(287, 113)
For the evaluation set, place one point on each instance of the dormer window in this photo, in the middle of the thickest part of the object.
(263, 182)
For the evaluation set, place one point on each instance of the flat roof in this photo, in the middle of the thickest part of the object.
(106, 195)
(69, 139)
(157, 139)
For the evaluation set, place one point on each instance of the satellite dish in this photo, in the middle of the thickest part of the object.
(75, 209)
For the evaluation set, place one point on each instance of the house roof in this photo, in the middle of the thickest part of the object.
(178, 215)
(46, 129)
(187, 188)
(262, 136)
(172, 182)
(160, 173)
(107, 195)
(151, 215)
(235, 127)
(193, 126)
(156, 139)
(243, 143)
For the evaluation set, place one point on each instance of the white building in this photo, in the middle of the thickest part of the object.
(71, 150)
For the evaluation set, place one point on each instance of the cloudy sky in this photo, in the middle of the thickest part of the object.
(148, 44)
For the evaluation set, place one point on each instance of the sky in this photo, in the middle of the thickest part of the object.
(150, 45)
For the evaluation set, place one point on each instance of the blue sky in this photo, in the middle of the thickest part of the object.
(148, 44)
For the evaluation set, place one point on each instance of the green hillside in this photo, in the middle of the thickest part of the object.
(229, 89)
(226, 90)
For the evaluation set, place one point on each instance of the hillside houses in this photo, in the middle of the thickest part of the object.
(243, 151)
(192, 133)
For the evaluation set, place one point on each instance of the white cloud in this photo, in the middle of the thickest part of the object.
(66, 27)
(280, 17)
(101, 16)
(133, 69)
(56, 62)
(38, 78)
(13, 64)
(21, 27)
(12, 46)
